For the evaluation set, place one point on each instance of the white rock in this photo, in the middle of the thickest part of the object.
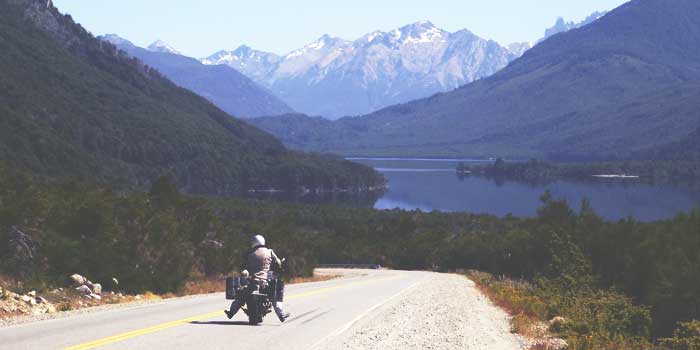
(97, 288)
(557, 319)
(51, 309)
(78, 280)
(32, 294)
(41, 300)
(84, 290)
(95, 296)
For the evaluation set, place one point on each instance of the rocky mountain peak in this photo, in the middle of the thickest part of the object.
(325, 41)
(160, 46)
(419, 32)
(562, 25)
(116, 40)
(243, 50)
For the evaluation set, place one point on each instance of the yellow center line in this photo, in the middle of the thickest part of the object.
(168, 325)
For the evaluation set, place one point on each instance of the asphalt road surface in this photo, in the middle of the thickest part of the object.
(320, 311)
(366, 310)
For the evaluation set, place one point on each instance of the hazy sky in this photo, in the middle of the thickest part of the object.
(199, 28)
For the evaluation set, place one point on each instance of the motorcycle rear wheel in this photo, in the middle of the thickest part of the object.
(253, 319)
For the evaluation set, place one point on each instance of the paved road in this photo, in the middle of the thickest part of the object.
(320, 312)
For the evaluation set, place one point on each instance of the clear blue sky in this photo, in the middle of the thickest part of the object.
(200, 27)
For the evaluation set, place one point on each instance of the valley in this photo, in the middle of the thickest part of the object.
(512, 194)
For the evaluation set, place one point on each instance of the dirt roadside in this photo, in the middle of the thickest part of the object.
(444, 312)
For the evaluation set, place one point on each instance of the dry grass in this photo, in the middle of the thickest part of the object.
(518, 299)
(515, 297)
(529, 327)
(204, 285)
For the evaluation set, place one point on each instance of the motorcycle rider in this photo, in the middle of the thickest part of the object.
(261, 261)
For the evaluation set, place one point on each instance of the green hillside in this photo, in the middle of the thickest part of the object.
(71, 105)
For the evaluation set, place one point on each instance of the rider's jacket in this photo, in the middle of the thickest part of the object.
(260, 261)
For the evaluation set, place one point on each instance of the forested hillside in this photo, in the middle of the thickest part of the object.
(72, 105)
(623, 85)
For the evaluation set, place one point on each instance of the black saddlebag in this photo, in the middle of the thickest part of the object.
(230, 288)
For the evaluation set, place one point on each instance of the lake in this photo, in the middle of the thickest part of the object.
(433, 184)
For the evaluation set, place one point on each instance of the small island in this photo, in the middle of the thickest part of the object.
(538, 171)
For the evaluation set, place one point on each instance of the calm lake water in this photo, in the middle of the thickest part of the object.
(432, 184)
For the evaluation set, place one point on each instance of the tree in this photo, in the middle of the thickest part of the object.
(164, 192)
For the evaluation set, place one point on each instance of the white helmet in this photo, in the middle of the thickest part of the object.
(257, 241)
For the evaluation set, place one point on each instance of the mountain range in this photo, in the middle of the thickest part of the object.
(626, 85)
(333, 77)
(72, 105)
(230, 90)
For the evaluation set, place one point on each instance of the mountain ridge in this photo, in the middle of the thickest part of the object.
(561, 25)
(334, 77)
(599, 91)
(230, 90)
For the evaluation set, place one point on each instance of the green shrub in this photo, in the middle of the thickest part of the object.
(685, 337)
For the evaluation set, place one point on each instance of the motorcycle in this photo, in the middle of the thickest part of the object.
(256, 296)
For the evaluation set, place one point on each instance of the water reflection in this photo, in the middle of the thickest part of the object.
(430, 185)
(440, 188)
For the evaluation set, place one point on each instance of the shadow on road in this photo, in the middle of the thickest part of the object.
(222, 323)
(300, 316)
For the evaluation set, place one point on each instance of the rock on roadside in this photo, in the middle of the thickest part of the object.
(84, 290)
(29, 304)
(78, 280)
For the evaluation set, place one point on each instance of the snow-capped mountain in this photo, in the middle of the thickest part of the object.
(160, 46)
(333, 77)
(255, 64)
(563, 26)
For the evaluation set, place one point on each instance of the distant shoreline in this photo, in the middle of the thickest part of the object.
(447, 160)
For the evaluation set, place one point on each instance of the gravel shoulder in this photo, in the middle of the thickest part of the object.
(445, 311)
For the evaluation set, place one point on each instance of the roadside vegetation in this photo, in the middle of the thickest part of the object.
(585, 316)
(623, 283)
